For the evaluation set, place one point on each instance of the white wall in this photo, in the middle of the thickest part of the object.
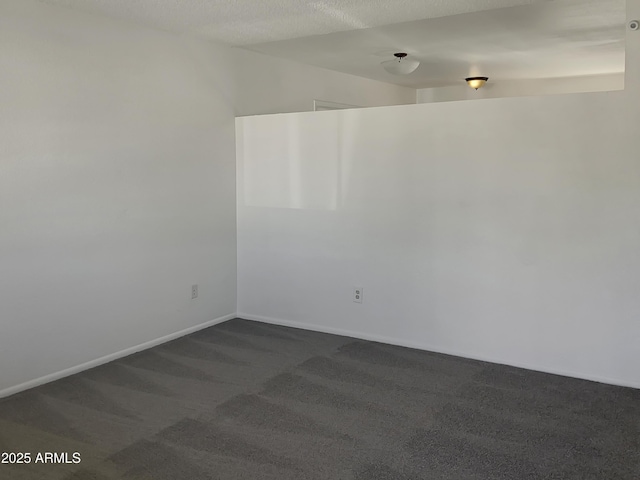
(504, 230)
(117, 180)
(273, 85)
(524, 88)
(117, 187)
(117, 176)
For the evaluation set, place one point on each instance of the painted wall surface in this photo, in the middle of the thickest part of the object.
(274, 85)
(117, 187)
(503, 229)
(117, 192)
(117, 180)
(524, 88)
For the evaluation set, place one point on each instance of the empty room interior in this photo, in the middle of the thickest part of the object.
(329, 239)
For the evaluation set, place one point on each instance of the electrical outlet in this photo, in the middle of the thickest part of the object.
(357, 294)
(194, 291)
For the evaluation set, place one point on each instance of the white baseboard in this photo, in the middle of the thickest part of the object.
(111, 357)
(431, 348)
(305, 326)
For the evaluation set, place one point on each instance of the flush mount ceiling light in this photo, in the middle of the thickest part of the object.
(400, 65)
(476, 82)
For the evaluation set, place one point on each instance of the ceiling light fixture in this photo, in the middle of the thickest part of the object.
(400, 65)
(476, 82)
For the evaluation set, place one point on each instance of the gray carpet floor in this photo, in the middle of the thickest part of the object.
(245, 400)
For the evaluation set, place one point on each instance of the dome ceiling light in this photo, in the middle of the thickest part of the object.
(401, 65)
(476, 82)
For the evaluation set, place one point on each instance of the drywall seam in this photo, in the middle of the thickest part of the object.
(111, 357)
(431, 348)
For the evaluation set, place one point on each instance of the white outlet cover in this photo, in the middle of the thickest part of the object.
(358, 292)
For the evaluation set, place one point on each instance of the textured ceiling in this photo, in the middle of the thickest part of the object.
(502, 39)
(243, 22)
(564, 38)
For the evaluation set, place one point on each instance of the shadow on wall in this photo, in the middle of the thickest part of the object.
(278, 171)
